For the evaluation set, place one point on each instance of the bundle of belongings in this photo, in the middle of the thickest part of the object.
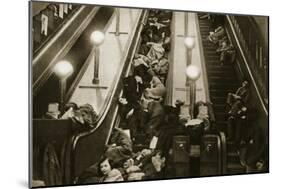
(120, 163)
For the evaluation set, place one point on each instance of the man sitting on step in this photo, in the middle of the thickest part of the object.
(240, 96)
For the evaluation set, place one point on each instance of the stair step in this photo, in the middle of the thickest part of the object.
(219, 107)
(205, 33)
(218, 92)
(215, 56)
(220, 79)
(220, 116)
(204, 23)
(218, 100)
(219, 68)
(221, 126)
(210, 61)
(204, 26)
(223, 85)
(235, 168)
(231, 146)
(220, 73)
(233, 157)
(210, 48)
(205, 29)
(225, 89)
(208, 53)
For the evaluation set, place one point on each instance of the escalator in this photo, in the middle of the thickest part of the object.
(74, 150)
(226, 78)
(222, 80)
(45, 82)
(88, 147)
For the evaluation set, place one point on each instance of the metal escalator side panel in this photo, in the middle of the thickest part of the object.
(92, 143)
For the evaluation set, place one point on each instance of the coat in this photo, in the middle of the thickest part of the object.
(122, 149)
(132, 90)
(156, 115)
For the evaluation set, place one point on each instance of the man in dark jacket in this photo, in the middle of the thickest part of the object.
(120, 147)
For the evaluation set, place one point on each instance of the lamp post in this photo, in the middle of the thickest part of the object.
(117, 22)
(63, 70)
(117, 31)
(189, 43)
(97, 38)
(193, 73)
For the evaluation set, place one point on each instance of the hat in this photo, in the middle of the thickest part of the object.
(89, 110)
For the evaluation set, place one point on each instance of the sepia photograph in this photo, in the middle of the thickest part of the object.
(125, 94)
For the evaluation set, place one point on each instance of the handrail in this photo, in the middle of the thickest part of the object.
(246, 63)
(219, 154)
(223, 153)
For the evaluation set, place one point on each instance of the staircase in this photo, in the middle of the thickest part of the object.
(222, 80)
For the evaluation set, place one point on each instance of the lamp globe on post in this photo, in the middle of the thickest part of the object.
(97, 38)
(192, 73)
(189, 42)
(63, 70)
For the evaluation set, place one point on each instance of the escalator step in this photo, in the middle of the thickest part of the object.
(235, 168)
(233, 157)
(218, 100)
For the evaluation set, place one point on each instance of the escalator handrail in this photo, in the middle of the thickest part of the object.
(223, 152)
(103, 114)
(246, 63)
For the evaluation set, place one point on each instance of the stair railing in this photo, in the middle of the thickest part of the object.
(254, 52)
(223, 153)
